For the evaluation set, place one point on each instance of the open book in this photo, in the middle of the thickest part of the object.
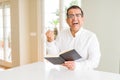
(70, 55)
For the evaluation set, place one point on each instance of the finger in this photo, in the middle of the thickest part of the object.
(71, 68)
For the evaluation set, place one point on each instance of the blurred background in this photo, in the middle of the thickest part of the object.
(23, 24)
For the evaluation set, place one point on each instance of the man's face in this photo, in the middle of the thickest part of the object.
(74, 19)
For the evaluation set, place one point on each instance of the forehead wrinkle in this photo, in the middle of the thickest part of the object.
(74, 11)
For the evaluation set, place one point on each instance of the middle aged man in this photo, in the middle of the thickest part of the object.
(75, 37)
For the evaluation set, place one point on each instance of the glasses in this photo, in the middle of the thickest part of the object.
(73, 15)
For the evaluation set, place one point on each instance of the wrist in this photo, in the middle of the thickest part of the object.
(50, 40)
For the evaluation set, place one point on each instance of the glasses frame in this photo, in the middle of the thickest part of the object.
(71, 16)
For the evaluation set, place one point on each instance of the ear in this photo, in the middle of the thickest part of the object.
(82, 20)
(67, 20)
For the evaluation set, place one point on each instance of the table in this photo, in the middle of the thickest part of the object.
(46, 71)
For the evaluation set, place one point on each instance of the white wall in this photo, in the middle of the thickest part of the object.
(26, 31)
(103, 18)
(20, 32)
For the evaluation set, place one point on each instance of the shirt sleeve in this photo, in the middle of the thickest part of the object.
(94, 55)
(52, 48)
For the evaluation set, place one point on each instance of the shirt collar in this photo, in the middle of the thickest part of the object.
(79, 32)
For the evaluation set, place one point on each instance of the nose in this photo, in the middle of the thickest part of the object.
(74, 17)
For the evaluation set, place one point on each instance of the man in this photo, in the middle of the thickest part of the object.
(75, 37)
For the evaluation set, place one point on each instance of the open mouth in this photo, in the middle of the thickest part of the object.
(75, 23)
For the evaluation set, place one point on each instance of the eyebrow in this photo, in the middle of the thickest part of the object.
(73, 13)
(76, 13)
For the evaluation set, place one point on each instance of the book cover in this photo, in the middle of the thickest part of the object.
(70, 55)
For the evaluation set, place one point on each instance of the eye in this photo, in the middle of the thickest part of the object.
(73, 15)
(70, 16)
(78, 15)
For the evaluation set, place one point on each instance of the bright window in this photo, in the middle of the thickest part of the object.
(55, 13)
(5, 32)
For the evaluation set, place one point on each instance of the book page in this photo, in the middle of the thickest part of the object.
(70, 55)
(52, 55)
(65, 51)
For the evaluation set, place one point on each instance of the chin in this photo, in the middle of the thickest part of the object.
(76, 28)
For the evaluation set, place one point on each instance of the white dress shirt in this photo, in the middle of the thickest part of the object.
(85, 43)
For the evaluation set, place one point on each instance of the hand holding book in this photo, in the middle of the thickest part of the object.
(70, 55)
